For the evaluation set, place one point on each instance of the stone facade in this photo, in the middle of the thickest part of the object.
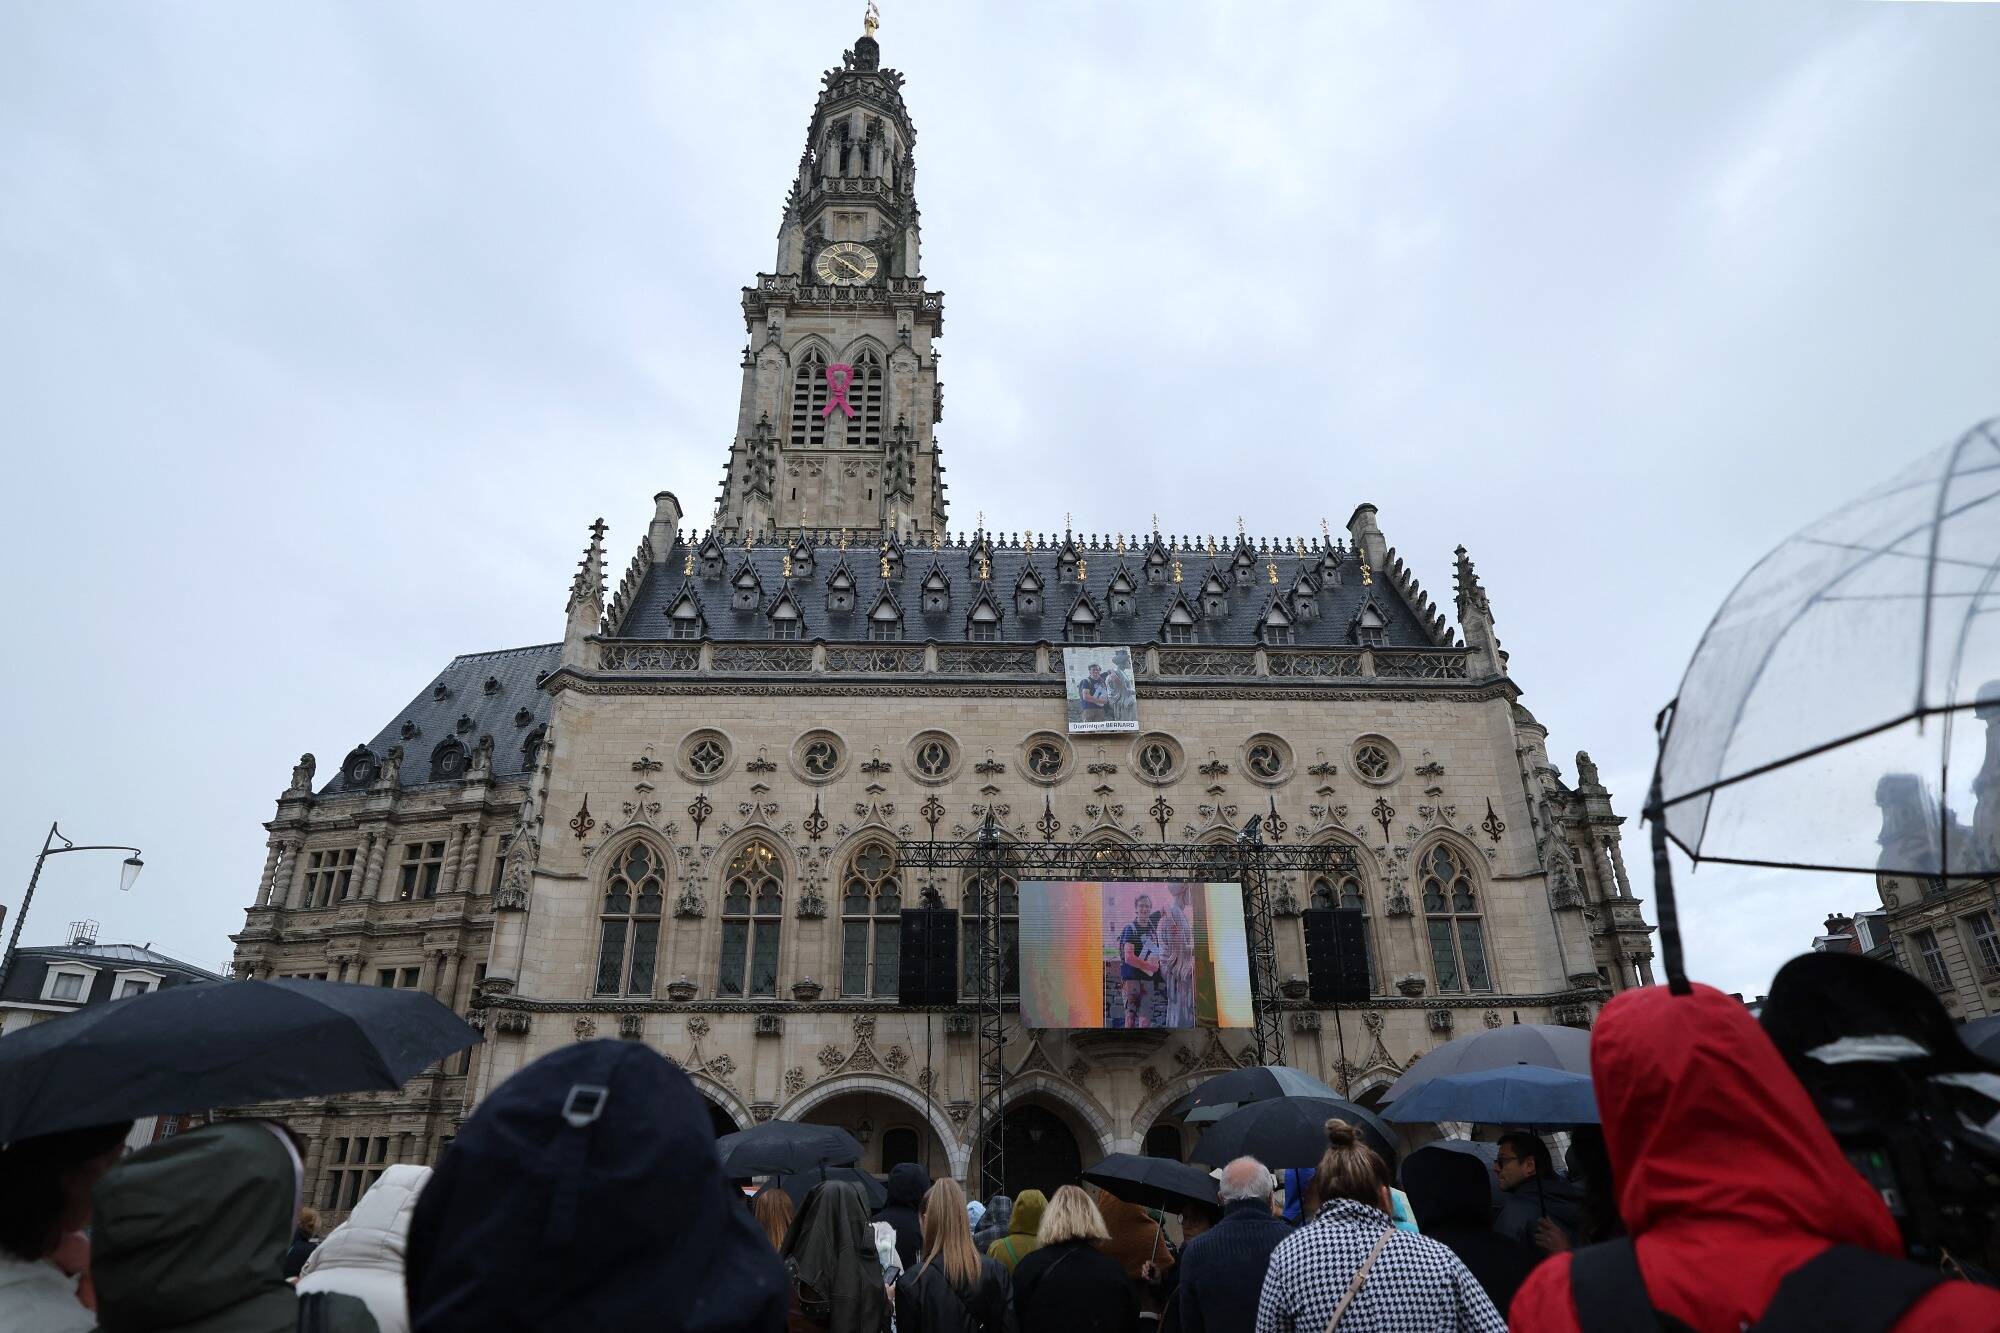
(678, 826)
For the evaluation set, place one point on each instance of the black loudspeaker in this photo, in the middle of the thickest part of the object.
(1336, 955)
(927, 968)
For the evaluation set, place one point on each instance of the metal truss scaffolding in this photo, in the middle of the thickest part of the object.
(990, 856)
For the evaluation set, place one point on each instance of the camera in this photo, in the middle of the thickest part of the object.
(1915, 1112)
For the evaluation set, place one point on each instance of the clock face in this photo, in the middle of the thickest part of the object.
(846, 264)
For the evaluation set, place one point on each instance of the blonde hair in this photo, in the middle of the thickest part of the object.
(1350, 1169)
(948, 1235)
(309, 1220)
(1071, 1215)
(774, 1210)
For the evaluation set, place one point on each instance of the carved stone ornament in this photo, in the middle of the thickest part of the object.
(513, 1022)
(631, 1027)
(959, 1112)
(896, 1060)
(1491, 1018)
(1412, 984)
(586, 1028)
(1284, 904)
(812, 905)
(831, 1058)
(1305, 1020)
(1152, 1079)
(806, 991)
(769, 1025)
(1294, 987)
(1373, 1022)
(1399, 902)
(689, 903)
(763, 1111)
(958, 1025)
(1573, 1015)
(795, 1081)
(1440, 1020)
(680, 988)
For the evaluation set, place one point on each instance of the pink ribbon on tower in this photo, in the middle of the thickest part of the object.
(838, 376)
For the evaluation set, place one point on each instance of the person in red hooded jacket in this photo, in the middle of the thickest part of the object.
(1727, 1178)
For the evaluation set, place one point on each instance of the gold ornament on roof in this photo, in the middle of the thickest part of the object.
(871, 19)
(1177, 571)
(1082, 572)
(1272, 568)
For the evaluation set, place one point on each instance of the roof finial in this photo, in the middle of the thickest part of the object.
(871, 19)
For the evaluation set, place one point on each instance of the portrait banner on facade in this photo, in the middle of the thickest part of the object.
(1101, 689)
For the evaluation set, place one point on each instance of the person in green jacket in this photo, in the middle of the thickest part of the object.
(1020, 1242)
(190, 1235)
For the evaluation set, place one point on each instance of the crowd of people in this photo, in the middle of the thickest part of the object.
(586, 1194)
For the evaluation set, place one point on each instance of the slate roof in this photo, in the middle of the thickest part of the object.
(513, 707)
(117, 953)
(647, 616)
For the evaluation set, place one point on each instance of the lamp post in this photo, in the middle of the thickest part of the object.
(128, 872)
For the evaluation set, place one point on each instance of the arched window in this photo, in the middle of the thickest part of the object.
(753, 904)
(1009, 905)
(899, 1145)
(871, 904)
(866, 395)
(1458, 939)
(630, 946)
(809, 399)
(1344, 890)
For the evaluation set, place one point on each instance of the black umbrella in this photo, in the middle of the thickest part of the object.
(780, 1147)
(799, 1183)
(1258, 1083)
(228, 1043)
(1153, 1182)
(1289, 1131)
(1982, 1037)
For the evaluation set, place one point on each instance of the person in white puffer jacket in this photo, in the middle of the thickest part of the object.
(364, 1255)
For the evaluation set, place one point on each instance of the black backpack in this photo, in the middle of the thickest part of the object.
(1844, 1289)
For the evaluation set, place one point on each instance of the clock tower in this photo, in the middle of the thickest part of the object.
(840, 390)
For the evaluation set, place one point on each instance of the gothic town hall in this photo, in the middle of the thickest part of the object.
(680, 824)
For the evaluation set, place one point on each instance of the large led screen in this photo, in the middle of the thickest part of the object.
(1134, 955)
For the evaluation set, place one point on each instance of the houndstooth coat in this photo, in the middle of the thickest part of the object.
(1416, 1285)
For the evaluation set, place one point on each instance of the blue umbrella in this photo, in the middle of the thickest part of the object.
(1522, 1095)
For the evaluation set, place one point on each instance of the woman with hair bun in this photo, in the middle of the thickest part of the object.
(1350, 1267)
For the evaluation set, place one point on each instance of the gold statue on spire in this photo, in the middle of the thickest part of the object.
(871, 20)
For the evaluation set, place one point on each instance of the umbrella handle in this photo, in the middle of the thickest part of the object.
(1663, 873)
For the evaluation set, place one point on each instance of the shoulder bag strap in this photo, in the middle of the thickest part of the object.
(1360, 1276)
(1609, 1293)
(1846, 1289)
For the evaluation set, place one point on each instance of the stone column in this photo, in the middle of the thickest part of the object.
(444, 976)
(454, 852)
(269, 877)
(376, 848)
(1611, 846)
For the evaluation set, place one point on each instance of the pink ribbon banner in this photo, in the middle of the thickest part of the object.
(838, 376)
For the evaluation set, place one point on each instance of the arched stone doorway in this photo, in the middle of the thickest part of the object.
(1041, 1151)
(719, 1120)
(892, 1126)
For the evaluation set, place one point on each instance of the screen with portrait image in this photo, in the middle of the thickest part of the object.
(1103, 954)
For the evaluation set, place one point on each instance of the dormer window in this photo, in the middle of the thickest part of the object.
(448, 760)
(1083, 619)
(885, 622)
(1368, 627)
(1276, 628)
(840, 591)
(1244, 566)
(1179, 624)
(982, 624)
(684, 617)
(786, 622)
(802, 559)
(1122, 593)
(710, 556)
(1158, 563)
(1305, 599)
(1215, 597)
(747, 590)
(1028, 593)
(936, 593)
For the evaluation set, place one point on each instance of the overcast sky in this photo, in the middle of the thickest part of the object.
(325, 330)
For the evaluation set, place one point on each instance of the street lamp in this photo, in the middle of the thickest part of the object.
(127, 872)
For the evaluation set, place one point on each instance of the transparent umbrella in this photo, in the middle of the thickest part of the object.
(1829, 717)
